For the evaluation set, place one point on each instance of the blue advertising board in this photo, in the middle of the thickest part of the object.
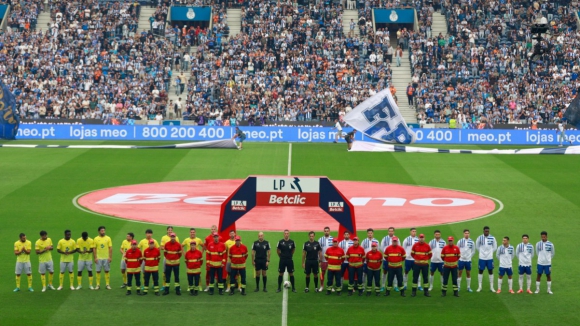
(394, 16)
(283, 134)
(190, 13)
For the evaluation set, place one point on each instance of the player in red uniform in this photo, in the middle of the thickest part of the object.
(208, 240)
(217, 253)
(395, 256)
(421, 252)
(356, 256)
(334, 256)
(374, 260)
(193, 260)
(450, 255)
(151, 256)
(173, 252)
(133, 261)
(238, 254)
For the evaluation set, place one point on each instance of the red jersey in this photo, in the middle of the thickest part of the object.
(238, 256)
(152, 259)
(374, 260)
(216, 254)
(450, 255)
(208, 240)
(334, 256)
(193, 260)
(421, 252)
(395, 255)
(132, 258)
(355, 255)
(172, 253)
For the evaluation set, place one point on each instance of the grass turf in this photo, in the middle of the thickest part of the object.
(539, 193)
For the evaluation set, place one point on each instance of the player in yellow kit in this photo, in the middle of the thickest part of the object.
(66, 248)
(125, 245)
(85, 248)
(43, 248)
(165, 239)
(103, 255)
(22, 250)
(193, 237)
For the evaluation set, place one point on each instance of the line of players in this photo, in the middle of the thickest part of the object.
(327, 256)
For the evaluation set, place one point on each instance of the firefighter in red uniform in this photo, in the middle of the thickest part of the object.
(421, 252)
(238, 255)
(450, 255)
(395, 256)
(356, 256)
(193, 260)
(208, 240)
(374, 260)
(334, 256)
(173, 252)
(151, 256)
(133, 261)
(217, 260)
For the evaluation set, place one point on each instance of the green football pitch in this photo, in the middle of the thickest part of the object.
(37, 187)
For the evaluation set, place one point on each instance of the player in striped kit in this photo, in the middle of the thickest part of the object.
(409, 261)
(436, 245)
(505, 254)
(525, 253)
(344, 244)
(467, 248)
(545, 250)
(325, 243)
(367, 245)
(486, 245)
(385, 242)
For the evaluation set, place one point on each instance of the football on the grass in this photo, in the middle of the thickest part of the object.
(287, 284)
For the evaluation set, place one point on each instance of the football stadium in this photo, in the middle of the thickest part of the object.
(257, 163)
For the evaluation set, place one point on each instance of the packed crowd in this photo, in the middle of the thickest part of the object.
(482, 72)
(24, 13)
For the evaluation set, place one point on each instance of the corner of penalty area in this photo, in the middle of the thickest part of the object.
(283, 191)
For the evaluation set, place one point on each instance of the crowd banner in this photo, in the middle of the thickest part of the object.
(379, 118)
(394, 16)
(284, 134)
(182, 13)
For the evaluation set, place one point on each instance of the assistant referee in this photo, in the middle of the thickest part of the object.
(260, 259)
(285, 250)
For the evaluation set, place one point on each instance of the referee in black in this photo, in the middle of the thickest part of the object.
(285, 250)
(311, 255)
(261, 260)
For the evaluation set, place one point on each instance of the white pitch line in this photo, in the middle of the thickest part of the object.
(290, 159)
(285, 296)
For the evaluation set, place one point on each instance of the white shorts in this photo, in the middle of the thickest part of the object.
(66, 266)
(123, 264)
(82, 264)
(23, 268)
(46, 266)
(103, 264)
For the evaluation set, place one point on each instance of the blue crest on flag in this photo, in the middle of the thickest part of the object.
(9, 119)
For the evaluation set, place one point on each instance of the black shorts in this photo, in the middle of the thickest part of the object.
(311, 266)
(261, 265)
(286, 265)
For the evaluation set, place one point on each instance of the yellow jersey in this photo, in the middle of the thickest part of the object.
(102, 245)
(85, 245)
(198, 243)
(18, 246)
(165, 239)
(125, 245)
(144, 244)
(46, 256)
(67, 246)
(229, 243)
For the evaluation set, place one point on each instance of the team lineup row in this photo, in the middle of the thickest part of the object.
(328, 258)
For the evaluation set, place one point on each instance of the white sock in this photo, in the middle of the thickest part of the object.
(431, 281)
(479, 279)
(537, 286)
(459, 282)
(491, 281)
(405, 277)
(468, 282)
(521, 282)
(529, 277)
(442, 280)
(499, 281)
(383, 280)
(511, 283)
(549, 285)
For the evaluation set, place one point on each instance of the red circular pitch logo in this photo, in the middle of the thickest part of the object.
(377, 205)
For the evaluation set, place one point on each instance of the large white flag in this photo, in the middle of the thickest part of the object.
(379, 118)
